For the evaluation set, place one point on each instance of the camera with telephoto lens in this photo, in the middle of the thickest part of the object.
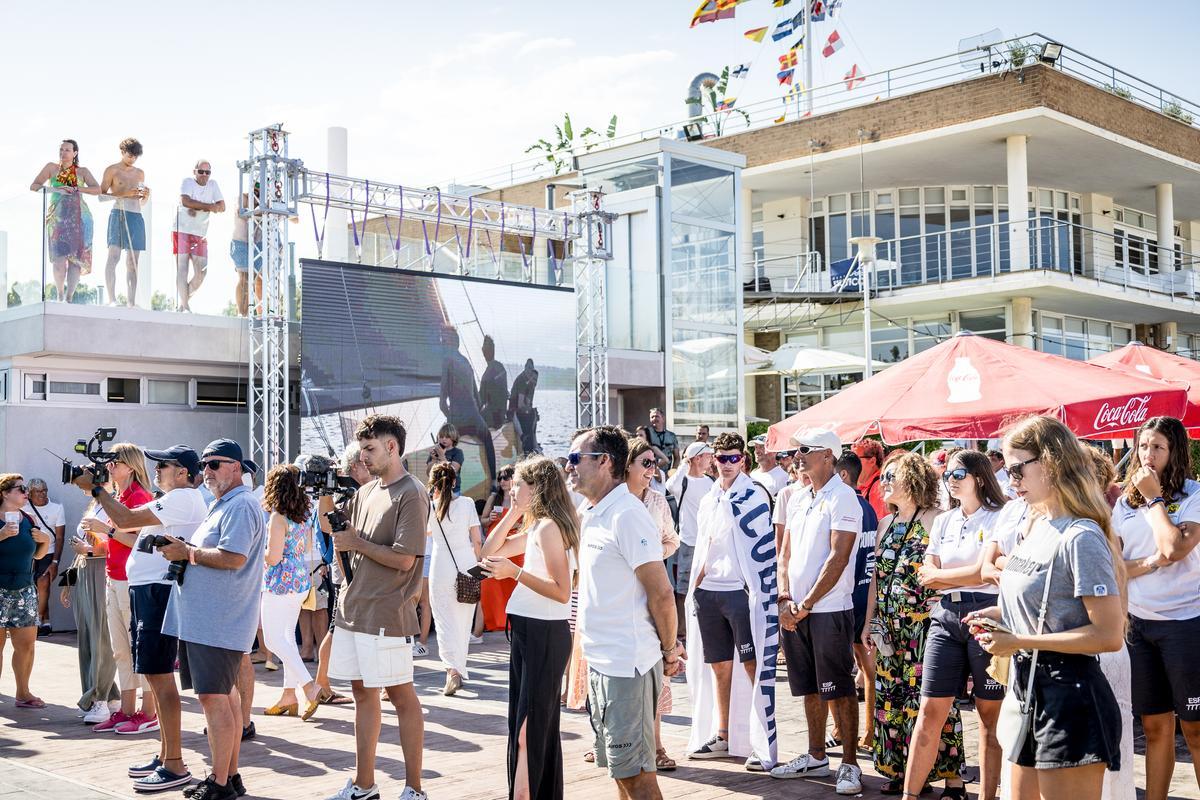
(147, 544)
(326, 482)
(93, 449)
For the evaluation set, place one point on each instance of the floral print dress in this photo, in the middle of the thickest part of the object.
(291, 575)
(69, 223)
(902, 608)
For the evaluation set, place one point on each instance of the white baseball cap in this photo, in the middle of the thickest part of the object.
(818, 439)
(696, 448)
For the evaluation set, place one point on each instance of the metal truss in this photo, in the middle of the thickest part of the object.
(592, 250)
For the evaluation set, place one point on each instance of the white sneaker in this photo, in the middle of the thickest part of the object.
(849, 779)
(420, 650)
(352, 792)
(473, 639)
(716, 747)
(98, 714)
(802, 766)
(410, 793)
(754, 764)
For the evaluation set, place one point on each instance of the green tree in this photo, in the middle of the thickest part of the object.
(712, 96)
(160, 302)
(560, 152)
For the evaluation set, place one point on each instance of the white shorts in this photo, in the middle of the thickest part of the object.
(377, 661)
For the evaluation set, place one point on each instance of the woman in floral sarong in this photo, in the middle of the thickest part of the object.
(898, 621)
(68, 219)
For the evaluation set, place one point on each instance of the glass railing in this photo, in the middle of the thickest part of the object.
(1128, 261)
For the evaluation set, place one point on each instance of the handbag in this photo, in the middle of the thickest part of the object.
(1016, 717)
(466, 587)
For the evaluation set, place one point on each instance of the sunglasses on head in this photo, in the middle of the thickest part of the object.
(1017, 471)
(958, 474)
(574, 458)
(734, 458)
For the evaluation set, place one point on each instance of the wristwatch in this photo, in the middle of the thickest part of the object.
(805, 606)
(96, 490)
(1154, 501)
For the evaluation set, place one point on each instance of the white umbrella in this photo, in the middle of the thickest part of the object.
(795, 359)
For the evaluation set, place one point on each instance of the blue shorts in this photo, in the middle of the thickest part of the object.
(127, 230)
(240, 253)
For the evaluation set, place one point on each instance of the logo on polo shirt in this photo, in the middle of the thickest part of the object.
(158, 505)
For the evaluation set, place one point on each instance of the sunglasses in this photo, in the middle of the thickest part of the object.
(20, 487)
(785, 454)
(888, 477)
(959, 474)
(166, 465)
(204, 172)
(574, 458)
(216, 464)
(647, 463)
(805, 449)
(1017, 471)
(730, 459)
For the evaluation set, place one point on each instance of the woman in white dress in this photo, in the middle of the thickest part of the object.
(455, 538)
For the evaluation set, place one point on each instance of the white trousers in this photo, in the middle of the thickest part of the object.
(116, 604)
(279, 615)
(452, 619)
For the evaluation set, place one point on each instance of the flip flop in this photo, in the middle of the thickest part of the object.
(32, 702)
(331, 698)
(833, 741)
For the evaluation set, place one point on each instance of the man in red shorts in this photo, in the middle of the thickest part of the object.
(198, 197)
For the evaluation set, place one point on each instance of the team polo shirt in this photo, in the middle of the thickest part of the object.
(958, 540)
(1171, 592)
(812, 517)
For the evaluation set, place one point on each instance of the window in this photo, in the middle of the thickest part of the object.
(1052, 335)
(889, 344)
(927, 333)
(226, 394)
(73, 390)
(164, 392)
(35, 386)
(987, 322)
(124, 390)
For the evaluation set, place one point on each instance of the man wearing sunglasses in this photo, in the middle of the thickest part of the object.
(816, 606)
(214, 612)
(199, 196)
(177, 512)
(729, 607)
(768, 472)
(627, 622)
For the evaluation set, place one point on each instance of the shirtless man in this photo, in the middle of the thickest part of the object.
(125, 183)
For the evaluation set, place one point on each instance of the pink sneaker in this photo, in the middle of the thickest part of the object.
(138, 723)
(114, 719)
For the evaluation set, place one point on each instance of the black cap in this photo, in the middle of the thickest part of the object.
(224, 448)
(180, 453)
(250, 467)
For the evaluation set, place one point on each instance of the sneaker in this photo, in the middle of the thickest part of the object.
(142, 770)
(210, 790)
(99, 713)
(235, 781)
(802, 766)
(410, 793)
(161, 780)
(44, 629)
(716, 747)
(138, 723)
(114, 719)
(473, 639)
(249, 732)
(420, 650)
(754, 764)
(849, 779)
(352, 792)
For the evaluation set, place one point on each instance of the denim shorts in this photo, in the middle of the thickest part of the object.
(1076, 719)
(240, 253)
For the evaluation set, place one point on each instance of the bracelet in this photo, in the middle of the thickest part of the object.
(96, 490)
(1156, 501)
(192, 555)
(805, 606)
(520, 572)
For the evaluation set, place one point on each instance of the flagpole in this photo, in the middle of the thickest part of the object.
(809, 44)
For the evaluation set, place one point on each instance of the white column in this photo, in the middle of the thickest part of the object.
(337, 228)
(1018, 203)
(1164, 199)
(745, 210)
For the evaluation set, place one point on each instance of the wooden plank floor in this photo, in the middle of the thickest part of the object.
(464, 741)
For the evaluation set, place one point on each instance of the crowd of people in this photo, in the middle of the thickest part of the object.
(70, 229)
(1023, 584)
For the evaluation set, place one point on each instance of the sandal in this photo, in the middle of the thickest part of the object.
(833, 741)
(590, 756)
(663, 762)
(331, 698)
(31, 702)
(894, 786)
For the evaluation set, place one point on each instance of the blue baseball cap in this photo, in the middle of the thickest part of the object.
(224, 448)
(179, 453)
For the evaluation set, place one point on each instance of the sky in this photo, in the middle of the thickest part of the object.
(431, 92)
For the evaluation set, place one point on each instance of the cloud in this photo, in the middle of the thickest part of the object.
(545, 43)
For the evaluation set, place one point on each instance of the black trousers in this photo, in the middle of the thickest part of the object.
(540, 652)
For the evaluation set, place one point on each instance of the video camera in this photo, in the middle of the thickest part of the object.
(93, 449)
(327, 482)
(147, 544)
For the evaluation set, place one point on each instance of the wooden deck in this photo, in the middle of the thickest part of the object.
(464, 743)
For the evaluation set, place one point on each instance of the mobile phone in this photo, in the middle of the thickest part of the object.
(989, 624)
(477, 572)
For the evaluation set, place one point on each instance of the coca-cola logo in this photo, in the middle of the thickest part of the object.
(1130, 415)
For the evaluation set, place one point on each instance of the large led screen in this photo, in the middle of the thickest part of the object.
(495, 360)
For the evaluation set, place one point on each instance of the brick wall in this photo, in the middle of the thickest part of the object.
(767, 388)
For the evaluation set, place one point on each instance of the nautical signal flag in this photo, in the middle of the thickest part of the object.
(786, 76)
(740, 71)
(788, 60)
(713, 10)
(780, 3)
(781, 119)
(833, 5)
(788, 27)
(853, 78)
(755, 34)
(726, 104)
(832, 44)
(818, 10)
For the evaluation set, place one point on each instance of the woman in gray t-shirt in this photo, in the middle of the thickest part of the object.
(1069, 559)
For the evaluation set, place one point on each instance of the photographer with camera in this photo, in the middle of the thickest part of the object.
(126, 467)
(350, 467)
(376, 621)
(176, 512)
(213, 609)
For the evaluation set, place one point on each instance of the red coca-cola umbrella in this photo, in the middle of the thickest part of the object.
(969, 387)
(1141, 359)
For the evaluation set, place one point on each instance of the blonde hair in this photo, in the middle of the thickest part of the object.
(550, 499)
(915, 475)
(1070, 474)
(131, 456)
(10, 479)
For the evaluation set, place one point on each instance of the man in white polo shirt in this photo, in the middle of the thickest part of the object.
(199, 196)
(816, 606)
(688, 485)
(627, 619)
